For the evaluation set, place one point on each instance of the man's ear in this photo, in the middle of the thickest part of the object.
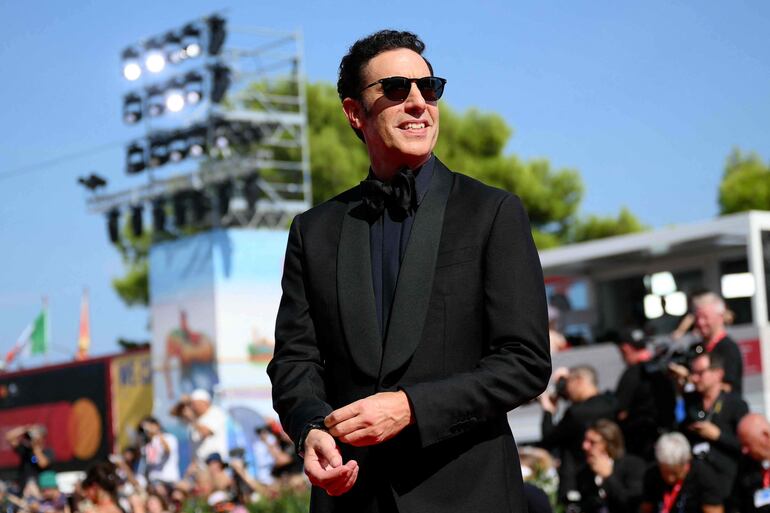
(354, 111)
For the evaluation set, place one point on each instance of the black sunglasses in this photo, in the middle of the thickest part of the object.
(397, 88)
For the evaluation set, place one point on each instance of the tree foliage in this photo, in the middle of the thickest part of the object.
(133, 287)
(745, 184)
(598, 227)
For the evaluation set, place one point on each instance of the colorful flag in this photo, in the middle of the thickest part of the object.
(84, 333)
(39, 337)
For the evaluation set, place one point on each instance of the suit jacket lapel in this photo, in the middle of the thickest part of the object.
(415, 279)
(355, 292)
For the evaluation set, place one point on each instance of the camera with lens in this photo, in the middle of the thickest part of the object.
(560, 388)
(666, 350)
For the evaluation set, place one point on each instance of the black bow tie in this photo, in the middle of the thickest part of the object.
(399, 196)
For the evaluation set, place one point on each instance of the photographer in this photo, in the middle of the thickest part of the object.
(577, 385)
(28, 443)
(646, 395)
(160, 451)
(206, 424)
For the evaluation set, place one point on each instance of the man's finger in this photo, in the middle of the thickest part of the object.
(342, 414)
(347, 426)
(345, 481)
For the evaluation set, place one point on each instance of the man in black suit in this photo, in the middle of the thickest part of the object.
(413, 315)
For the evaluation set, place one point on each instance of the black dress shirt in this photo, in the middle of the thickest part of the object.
(388, 238)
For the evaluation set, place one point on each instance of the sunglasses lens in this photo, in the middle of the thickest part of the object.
(431, 88)
(396, 88)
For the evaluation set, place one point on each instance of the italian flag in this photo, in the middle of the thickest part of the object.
(34, 338)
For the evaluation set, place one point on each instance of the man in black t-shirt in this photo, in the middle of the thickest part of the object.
(678, 484)
(710, 323)
(646, 396)
(752, 487)
(566, 438)
(28, 444)
(711, 419)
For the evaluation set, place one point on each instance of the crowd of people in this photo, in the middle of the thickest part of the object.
(676, 435)
(672, 437)
(147, 477)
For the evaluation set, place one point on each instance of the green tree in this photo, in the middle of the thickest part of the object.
(745, 184)
(598, 227)
(133, 287)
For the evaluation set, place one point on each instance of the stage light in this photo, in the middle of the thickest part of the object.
(172, 45)
(222, 137)
(197, 145)
(175, 100)
(132, 108)
(158, 152)
(220, 81)
(177, 148)
(155, 60)
(191, 44)
(113, 228)
(135, 158)
(159, 216)
(136, 220)
(217, 34)
(131, 68)
(193, 86)
(156, 102)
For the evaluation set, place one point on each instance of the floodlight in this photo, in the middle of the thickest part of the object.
(156, 101)
(217, 34)
(131, 68)
(676, 303)
(193, 87)
(172, 46)
(136, 220)
(159, 154)
(738, 285)
(113, 229)
(220, 81)
(132, 108)
(135, 158)
(191, 44)
(155, 59)
(662, 284)
(175, 100)
(177, 147)
(653, 307)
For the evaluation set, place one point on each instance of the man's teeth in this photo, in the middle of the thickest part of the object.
(409, 126)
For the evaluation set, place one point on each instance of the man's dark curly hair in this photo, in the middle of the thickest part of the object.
(349, 83)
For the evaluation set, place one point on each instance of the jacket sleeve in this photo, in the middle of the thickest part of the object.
(517, 364)
(296, 370)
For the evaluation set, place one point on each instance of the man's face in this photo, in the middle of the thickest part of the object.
(703, 377)
(199, 407)
(575, 385)
(755, 442)
(397, 133)
(673, 473)
(709, 320)
(593, 444)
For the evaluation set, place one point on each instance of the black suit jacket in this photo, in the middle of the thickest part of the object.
(467, 342)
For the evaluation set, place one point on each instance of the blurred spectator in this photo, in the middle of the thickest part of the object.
(646, 395)
(577, 385)
(156, 504)
(207, 425)
(711, 419)
(612, 480)
(215, 466)
(100, 488)
(557, 340)
(28, 442)
(678, 484)
(160, 451)
(751, 486)
(710, 312)
(51, 499)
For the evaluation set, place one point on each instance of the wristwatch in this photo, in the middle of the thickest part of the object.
(309, 427)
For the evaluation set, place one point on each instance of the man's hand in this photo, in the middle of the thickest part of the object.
(707, 430)
(371, 420)
(323, 464)
(547, 402)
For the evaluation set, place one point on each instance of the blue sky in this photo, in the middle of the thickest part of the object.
(646, 100)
